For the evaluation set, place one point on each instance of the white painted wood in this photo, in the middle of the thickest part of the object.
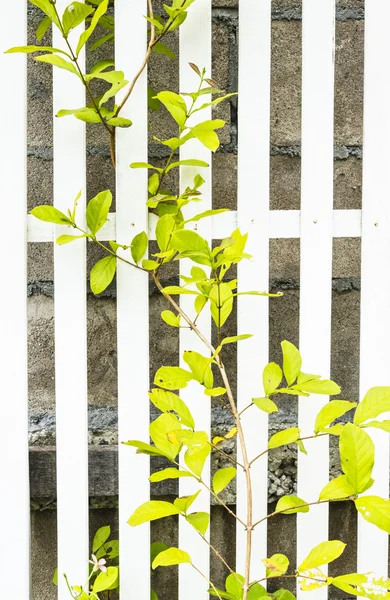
(282, 224)
(195, 47)
(375, 276)
(316, 257)
(132, 305)
(253, 217)
(15, 497)
(70, 333)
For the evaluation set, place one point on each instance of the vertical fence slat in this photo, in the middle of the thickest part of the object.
(132, 305)
(70, 332)
(197, 27)
(375, 278)
(253, 217)
(15, 498)
(316, 256)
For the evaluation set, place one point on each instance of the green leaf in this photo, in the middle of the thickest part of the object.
(153, 103)
(319, 386)
(156, 548)
(150, 265)
(170, 318)
(175, 105)
(375, 402)
(292, 361)
(205, 133)
(375, 510)
(197, 453)
(84, 37)
(159, 430)
(322, 554)
(143, 448)
(200, 368)
(233, 585)
(172, 378)
(42, 28)
(88, 115)
(109, 549)
(256, 592)
(383, 425)
(55, 577)
(206, 213)
(367, 585)
(222, 478)
(176, 290)
(164, 229)
(191, 244)
(218, 391)
(144, 165)
(58, 61)
(221, 303)
(191, 162)
(102, 40)
(272, 376)
(200, 521)
(31, 49)
(97, 211)
(47, 7)
(106, 581)
(101, 536)
(284, 595)
(161, 48)
(139, 246)
(289, 505)
(283, 438)
(50, 215)
(170, 402)
(266, 405)
(120, 122)
(276, 565)
(114, 89)
(235, 338)
(357, 454)
(74, 15)
(172, 556)
(330, 412)
(170, 473)
(151, 511)
(102, 273)
(338, 488)
(185, 502)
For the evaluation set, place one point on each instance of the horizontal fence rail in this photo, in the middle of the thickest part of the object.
(316, 224)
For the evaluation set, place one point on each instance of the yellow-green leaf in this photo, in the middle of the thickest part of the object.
(102, 273)
(185, 502)
(139, 245)
(366, 585)
(222, 478)
(357, 454)
(170, 318)
(319, 386)
(170, 402)
(50, 214)
(84, 37)
(330, 412)
(276, 565)
(169, 473)
(172, 556)
(74, 15)
(175, 105)
(151, 511)
(338, 488)
(292, 361)
(172, 378)
(97, 211)
(101, 536)
(375, 510)
(289, 505)
(106, 581)
(159, 430)
(200, 367)
(374, 403)
(283, 438)
(322, 554)
(272, 376)
(218, 391)
(58, 61)
(66, 239)
(266, 405)
(200, 521)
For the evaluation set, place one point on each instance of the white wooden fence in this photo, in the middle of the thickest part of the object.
(316, 224)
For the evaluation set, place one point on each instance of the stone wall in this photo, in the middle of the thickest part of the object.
(284, 272)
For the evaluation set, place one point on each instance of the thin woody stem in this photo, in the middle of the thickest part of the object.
(232, 460)
(213, 549)
(208, 581)
(240, 433)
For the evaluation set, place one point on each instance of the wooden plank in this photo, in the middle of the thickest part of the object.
(316, 257)
(253, 158)
(375, 276)
(70, 332)
(132, 304)
(14, 500)
(196, 27)
(283, 224)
